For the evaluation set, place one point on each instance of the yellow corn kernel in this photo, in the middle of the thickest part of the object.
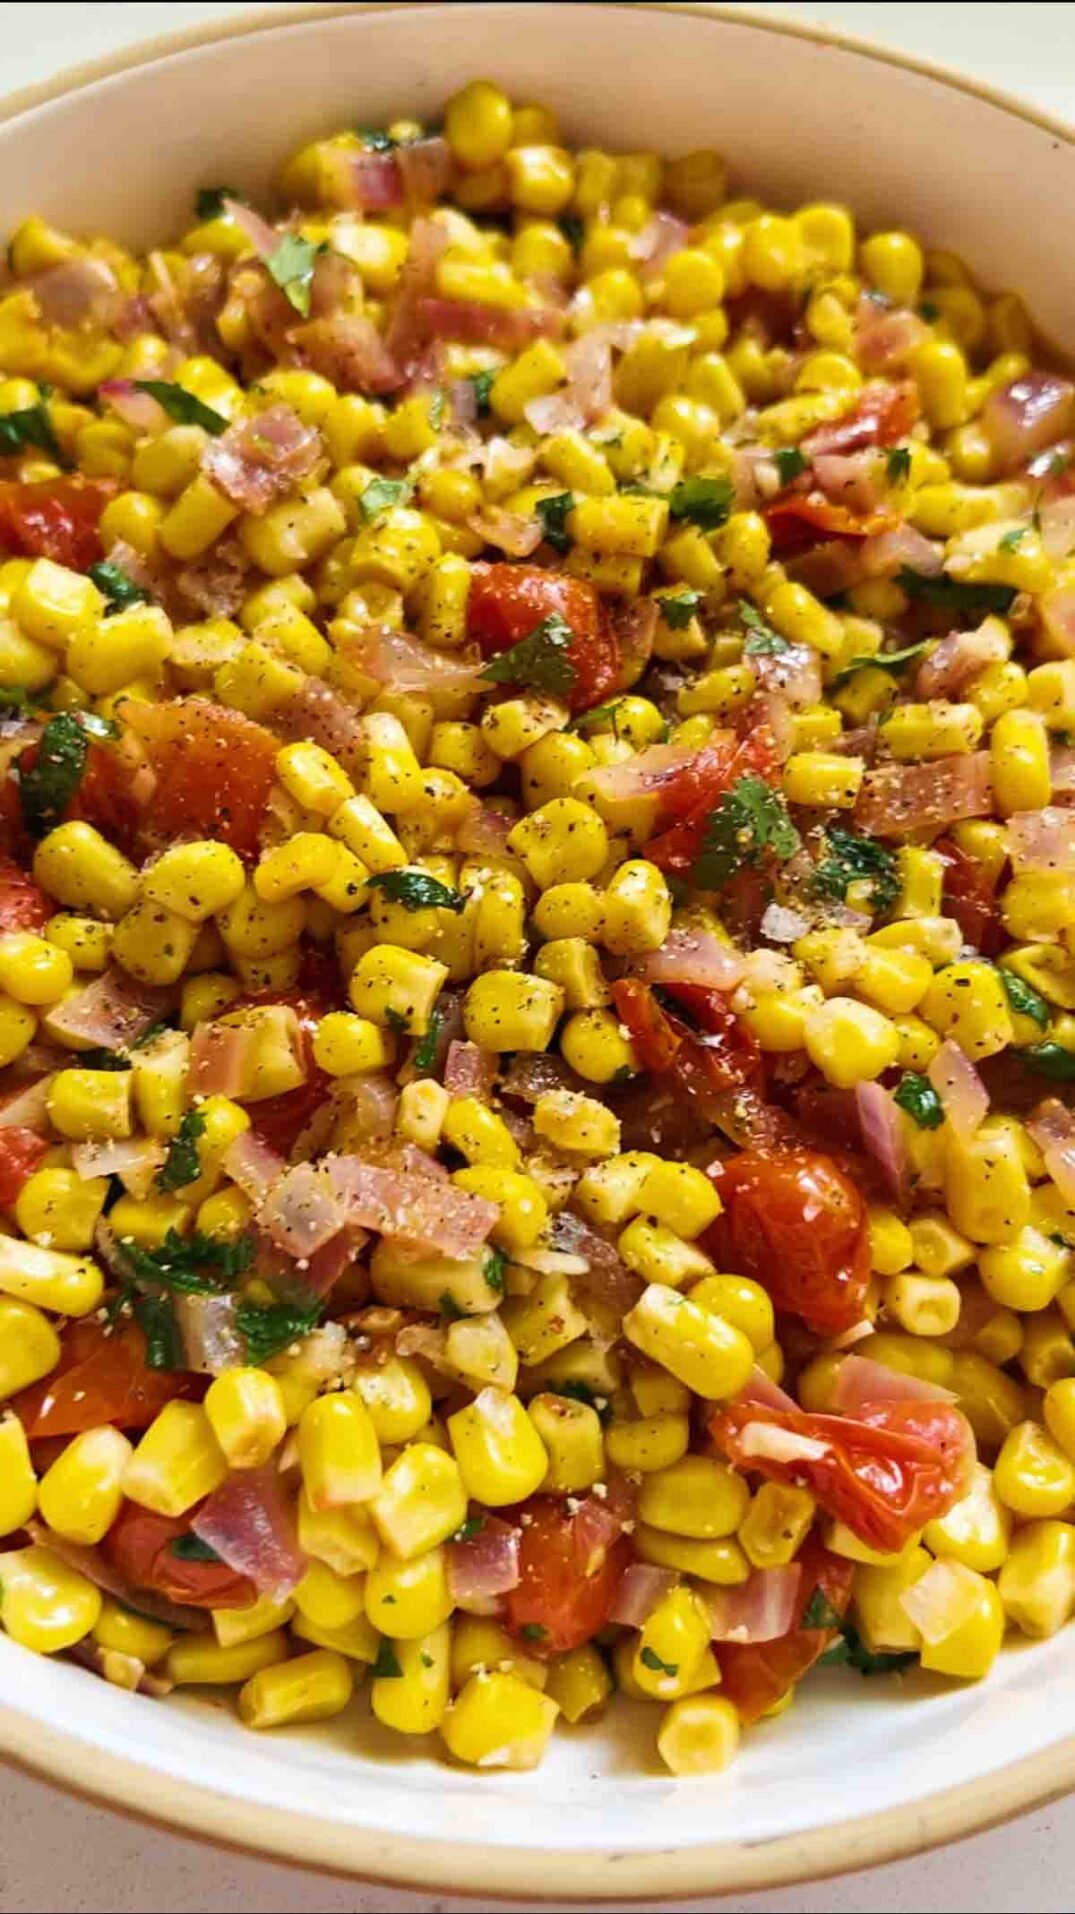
(67, 1285)
(479, 1135)
(579, 1683)
(154, 944)
(177, 1461)
(421, 1502)
(673, 1656)
(922, 1305)
(658, 1255)
(195, 1661)
(18, 1483)
(246, 1413)
(985, 1187)
(545, 1320)
(412, 1693)
(575, 966)
(29, 1346)
(1037, 1581)
(699, 1734)
(695, 1497)
(721, 1561)
(592, 1043)
(1026, 1273)
(126, 1633)
(58, 1209)
(967, 1002)
(195, 881)
(1033, 1477)
(571, 1434)
(884, 1623)
(397, 1396)
(576, 1123)
(339, 1454)
(562, 841)
(44, 1604)
(501, 1457)
(396, 988)
(234, 1625)
(327, 1599)
(1019, 762)
(971, 1609)
(80, 1495)
(132, 644)
(850, 1042)
(499, 1721)
(708, 1354)
(405, 1600)
(86, 942)
(976, 1529)
(310, 1687)
(679, 1196)
(78, 867)
(776, 1524)
(506, 1010)
(648, 1443)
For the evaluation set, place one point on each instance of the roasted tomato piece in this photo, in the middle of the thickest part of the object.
(705, 1056)
(507, 602)
(756, 1675)
(213, 770)
(55, 518)
(569, 1568)
(687, 797)
(971, 899)
(881, 415)
(139, 1546)
(102, 1376)
(794, 519)
(23, 905)
(20, 1153)
(795, 1222)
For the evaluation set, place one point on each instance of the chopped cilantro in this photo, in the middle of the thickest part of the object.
(119, 590)
(1024, 998)
(15, 698)
(269, 1328)
(789, 462)
(955, 594)
(426, 1660)
(417, 890)
(291, 265)
(533, 1632)
(851, 857)
(467, 1530)
(750, 818)
(493, 1269)
(820, 1613)
(182, 1164)
(449, 1308)
(31, 425)
(191, 1548)
(425, 1055)
(381, 494)
(156, 1318)
(705, 502)
(210, 202)
(573, 229)
(761, 640)
(650, 1659)
(182, 406)
(678, 610)
(915, 1094)
(1049, 1060)
(850, 1651)
(103, 1060)
(387, 1664)
(894, 662)
(898, 464)
(1012, 540)
(483, 385)
(928, 311)
(553, 513)
(47, 789)
(192, 1265)
(540, 659)
(600, 714)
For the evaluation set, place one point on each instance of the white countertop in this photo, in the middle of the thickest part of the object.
(56, 1853)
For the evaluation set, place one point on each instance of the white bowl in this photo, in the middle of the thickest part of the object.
(857, 1772)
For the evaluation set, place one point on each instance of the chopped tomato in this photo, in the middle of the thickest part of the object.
(756, 1675)
(139, 1547)
(796, 1223)
(56, 518)
(885, 1472)
(716, 1055)
(213, 771)
(881, 415)
(794, 519)
(507, 602)
(971, 899)
(23, 904)
(20, 1153)
(280, 1121)
(569, 1569)
(102, 1376)
(688, 795)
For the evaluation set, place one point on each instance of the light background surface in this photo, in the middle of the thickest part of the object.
(58, 1854)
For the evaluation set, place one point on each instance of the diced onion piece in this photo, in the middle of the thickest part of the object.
(960, 1088)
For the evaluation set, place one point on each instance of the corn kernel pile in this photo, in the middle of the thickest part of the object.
(537, 948)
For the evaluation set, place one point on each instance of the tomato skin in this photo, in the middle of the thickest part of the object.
(102, 1376)
(703, 1064)
(569, 1569)
(887, 1471)
(881, 415)
(755, 1675)
(21, 1151)
(796, 1223)
(55, 518)
(139, 1547)
(687, 797)
(507, 601)
(23, 905)
(971, 899)
(214, 770)
(794, 519)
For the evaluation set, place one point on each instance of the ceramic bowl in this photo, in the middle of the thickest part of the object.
(856, 1772)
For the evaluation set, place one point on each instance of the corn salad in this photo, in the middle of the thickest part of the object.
(537, 948)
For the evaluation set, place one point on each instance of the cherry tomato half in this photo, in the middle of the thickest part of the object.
(21, 1151)
(569, 1569)
(687, 795)
(139, 1547)
(213, 772)
(881, 415)
(756, 1675)
(55, 518)
(508, 601)
(794, 1221)
(102, 1376)
(794, 519)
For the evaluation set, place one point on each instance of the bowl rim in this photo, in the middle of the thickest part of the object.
(328, 1847)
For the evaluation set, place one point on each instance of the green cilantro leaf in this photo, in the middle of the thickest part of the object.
(493, 1269)
(895, 662)
(191, 1548)
(955, 594)
(15, 698)
(467, 1530)
(192, 1265)
(103, 1060)
(750, 818)
(851, 857)
(209, 202)
(790, 463)
(119, 590)
(705, 502)
(47, 788)
(182, 1164)
(915, 1094)
(425, 1055)
(1024, 998)
(540, 659)
(268, 1328)
(1049, 1060)
(600, 714)
(678, 610)
(375, 140)
(483, 385)
(533, 1631)
(381, 494)
(31, 425)
(898, 464)
(928, 311)
(761, 640)
(553, 513)
(851, 1652)
(1012, 540)
(820, 1613)
(417, 890)
(651, 1659)
(182, 406)
(449, 1308)
(573, 229)
(291, 265)
(578, 1391)
(386, 1667)
(156, 1318)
